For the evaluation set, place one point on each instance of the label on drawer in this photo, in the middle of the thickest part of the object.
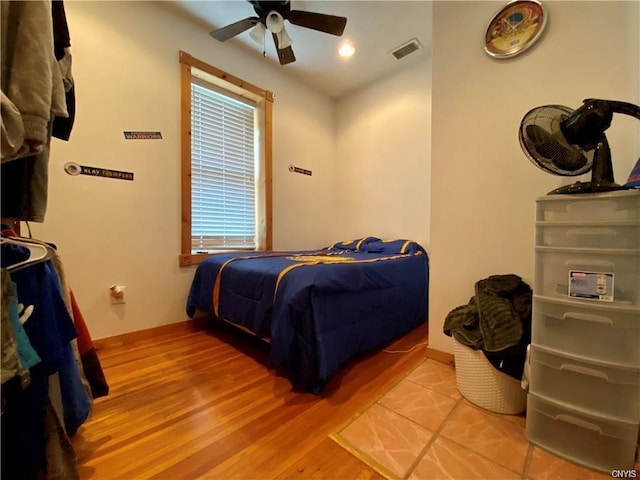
(593, 285)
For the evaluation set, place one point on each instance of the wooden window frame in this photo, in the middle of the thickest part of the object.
(186, 258)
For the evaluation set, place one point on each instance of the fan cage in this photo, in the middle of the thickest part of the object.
(549, 118)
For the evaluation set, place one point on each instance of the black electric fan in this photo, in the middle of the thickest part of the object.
(271, 16)
(571, 142)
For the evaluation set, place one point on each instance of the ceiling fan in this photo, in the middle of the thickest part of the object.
(271, 16)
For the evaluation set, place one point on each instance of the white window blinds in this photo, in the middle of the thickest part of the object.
(223, 166)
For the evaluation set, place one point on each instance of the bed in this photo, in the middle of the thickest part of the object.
(317, 309)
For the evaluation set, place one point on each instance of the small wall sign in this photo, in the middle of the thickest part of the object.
(142, 135)
(74, 169)
(294, 169)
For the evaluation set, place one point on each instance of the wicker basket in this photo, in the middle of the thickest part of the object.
(485, 386)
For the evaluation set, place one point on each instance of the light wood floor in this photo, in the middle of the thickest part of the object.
(206, 404)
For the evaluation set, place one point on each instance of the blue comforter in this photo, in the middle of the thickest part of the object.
(321, 308)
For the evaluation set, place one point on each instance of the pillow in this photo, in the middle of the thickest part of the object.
(359, 244)
(392, 246)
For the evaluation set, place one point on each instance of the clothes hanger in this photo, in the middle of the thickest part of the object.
(49, 246)
(37, 252)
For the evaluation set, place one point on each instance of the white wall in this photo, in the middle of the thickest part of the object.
(126, 69)
(384, 166)
(483, 187)
(304, 136)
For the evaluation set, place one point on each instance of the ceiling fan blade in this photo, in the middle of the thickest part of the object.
(285, 55)
(225, 33)
(317, 21)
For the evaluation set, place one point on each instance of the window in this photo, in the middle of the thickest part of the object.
(223, 171)
(226, 162)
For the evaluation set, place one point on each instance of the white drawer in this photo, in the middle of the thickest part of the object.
(598, 442)
(553, 266)
(602, 388)
(606, 235)
(621, 205)
(593, 330)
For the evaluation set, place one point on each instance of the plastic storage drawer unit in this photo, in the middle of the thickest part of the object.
(598, 442)
(592, 330)
(584, 368)
(554, 266)
(606, 235)
(603, 388)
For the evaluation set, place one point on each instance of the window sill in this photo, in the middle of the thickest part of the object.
(189, 259)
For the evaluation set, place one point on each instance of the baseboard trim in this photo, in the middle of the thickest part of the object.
(440, 356)
(141, 335)
(197, 324)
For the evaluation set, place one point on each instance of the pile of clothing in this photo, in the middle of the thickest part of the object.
(497, 320)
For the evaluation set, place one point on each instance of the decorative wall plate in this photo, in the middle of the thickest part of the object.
(515, 28)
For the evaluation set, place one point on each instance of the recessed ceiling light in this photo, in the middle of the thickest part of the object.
(346, 50)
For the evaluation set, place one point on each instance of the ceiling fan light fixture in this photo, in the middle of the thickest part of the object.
(346, 50)
(257, 33)
(284, 40)
(275, 22)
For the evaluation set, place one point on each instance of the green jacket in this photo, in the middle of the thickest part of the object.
(493, 318)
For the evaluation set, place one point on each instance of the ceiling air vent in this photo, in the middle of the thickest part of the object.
(405, 49)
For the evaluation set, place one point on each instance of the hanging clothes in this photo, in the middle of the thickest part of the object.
(25, 185)
(62, 126)
(44, 396)
(23, 427)
(91, 371)
(51, 330)
(17, 316)
(31, 78)
(12, 134)
(88, 354)
(12, 365)
(32, 84)
(38, 431)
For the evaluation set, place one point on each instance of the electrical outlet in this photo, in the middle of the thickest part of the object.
(117, 295)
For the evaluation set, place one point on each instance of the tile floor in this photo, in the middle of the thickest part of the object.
(422, 428)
